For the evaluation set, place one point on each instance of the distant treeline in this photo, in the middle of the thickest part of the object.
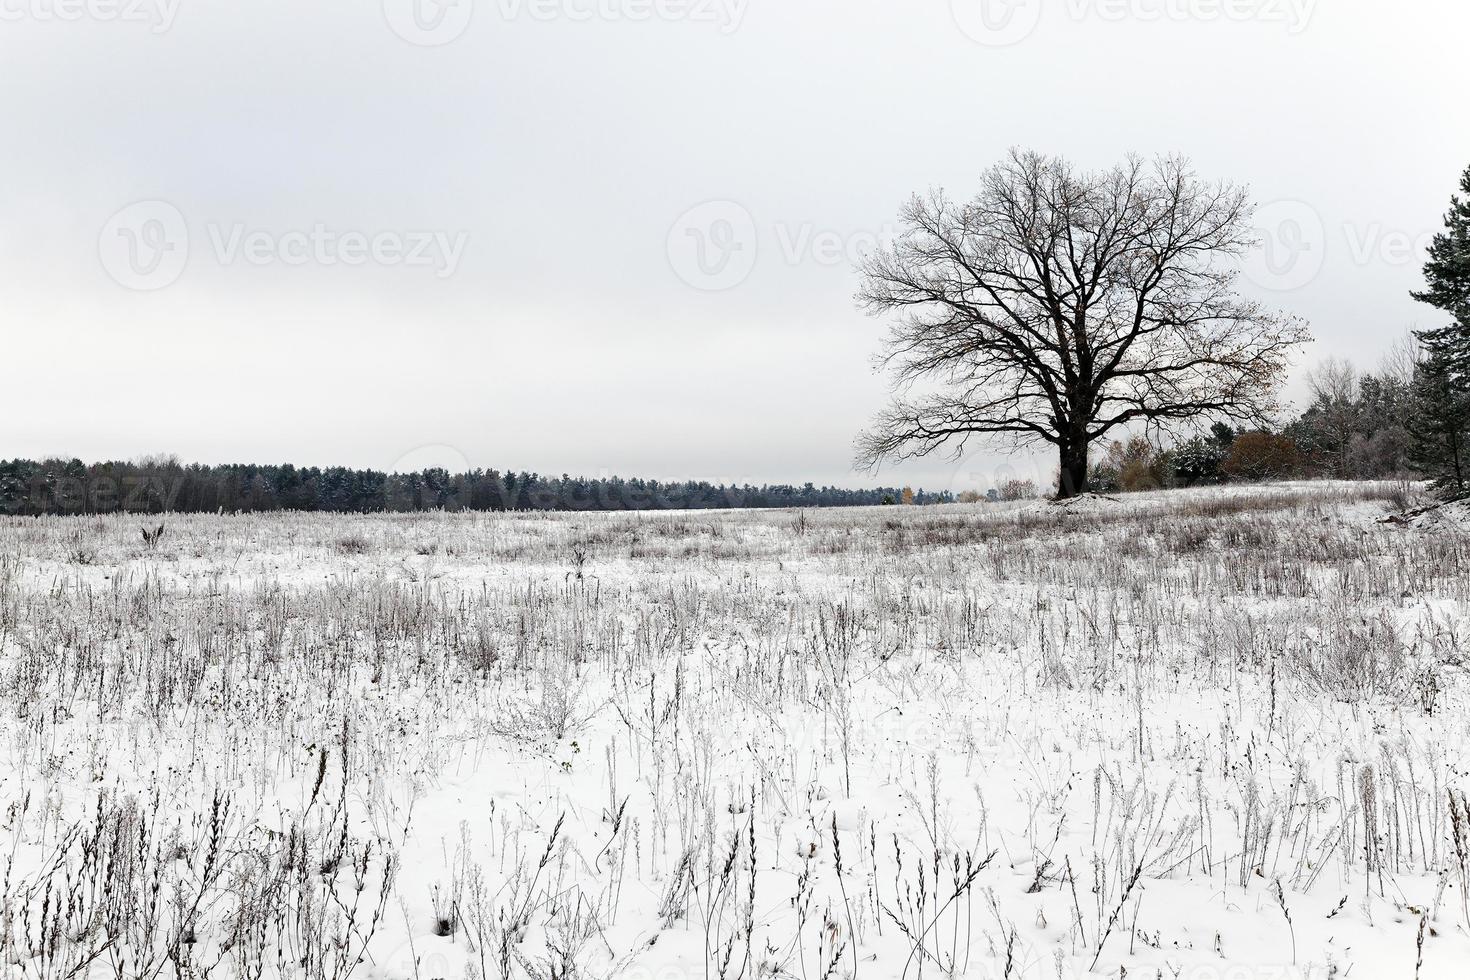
(57, 486)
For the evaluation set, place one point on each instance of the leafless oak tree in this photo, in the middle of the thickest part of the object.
(1059, 306)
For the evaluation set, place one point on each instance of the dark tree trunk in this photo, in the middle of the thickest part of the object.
(1072, 478)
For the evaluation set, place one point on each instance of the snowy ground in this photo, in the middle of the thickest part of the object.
(1204, 734)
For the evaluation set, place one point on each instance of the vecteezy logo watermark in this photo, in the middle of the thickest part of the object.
(997, 23)
(158, 14)
(714, 245)
(1291, 246)
(428, 22)
(436, 22)
(145, 246)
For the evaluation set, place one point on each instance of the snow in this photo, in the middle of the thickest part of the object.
(1454, 514)
(1107, 732)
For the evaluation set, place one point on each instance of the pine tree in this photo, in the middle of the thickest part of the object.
(1441, 426)
(1447, 272)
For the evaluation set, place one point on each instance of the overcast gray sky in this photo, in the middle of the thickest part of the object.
(617, 235)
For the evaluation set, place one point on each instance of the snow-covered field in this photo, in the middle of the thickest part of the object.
(1203, 734)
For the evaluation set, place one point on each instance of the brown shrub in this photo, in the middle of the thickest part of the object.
(1261, 456)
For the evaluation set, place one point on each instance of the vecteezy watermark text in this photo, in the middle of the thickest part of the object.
(146, 246)
(431, 23)
(438, 250)
(726, 15)
(157, 14)
(998, 23)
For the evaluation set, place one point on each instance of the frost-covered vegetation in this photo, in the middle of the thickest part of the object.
(1170, 736)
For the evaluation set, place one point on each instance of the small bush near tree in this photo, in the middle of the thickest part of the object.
(1017, 490)
(1133, 464)
(1261, 456)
